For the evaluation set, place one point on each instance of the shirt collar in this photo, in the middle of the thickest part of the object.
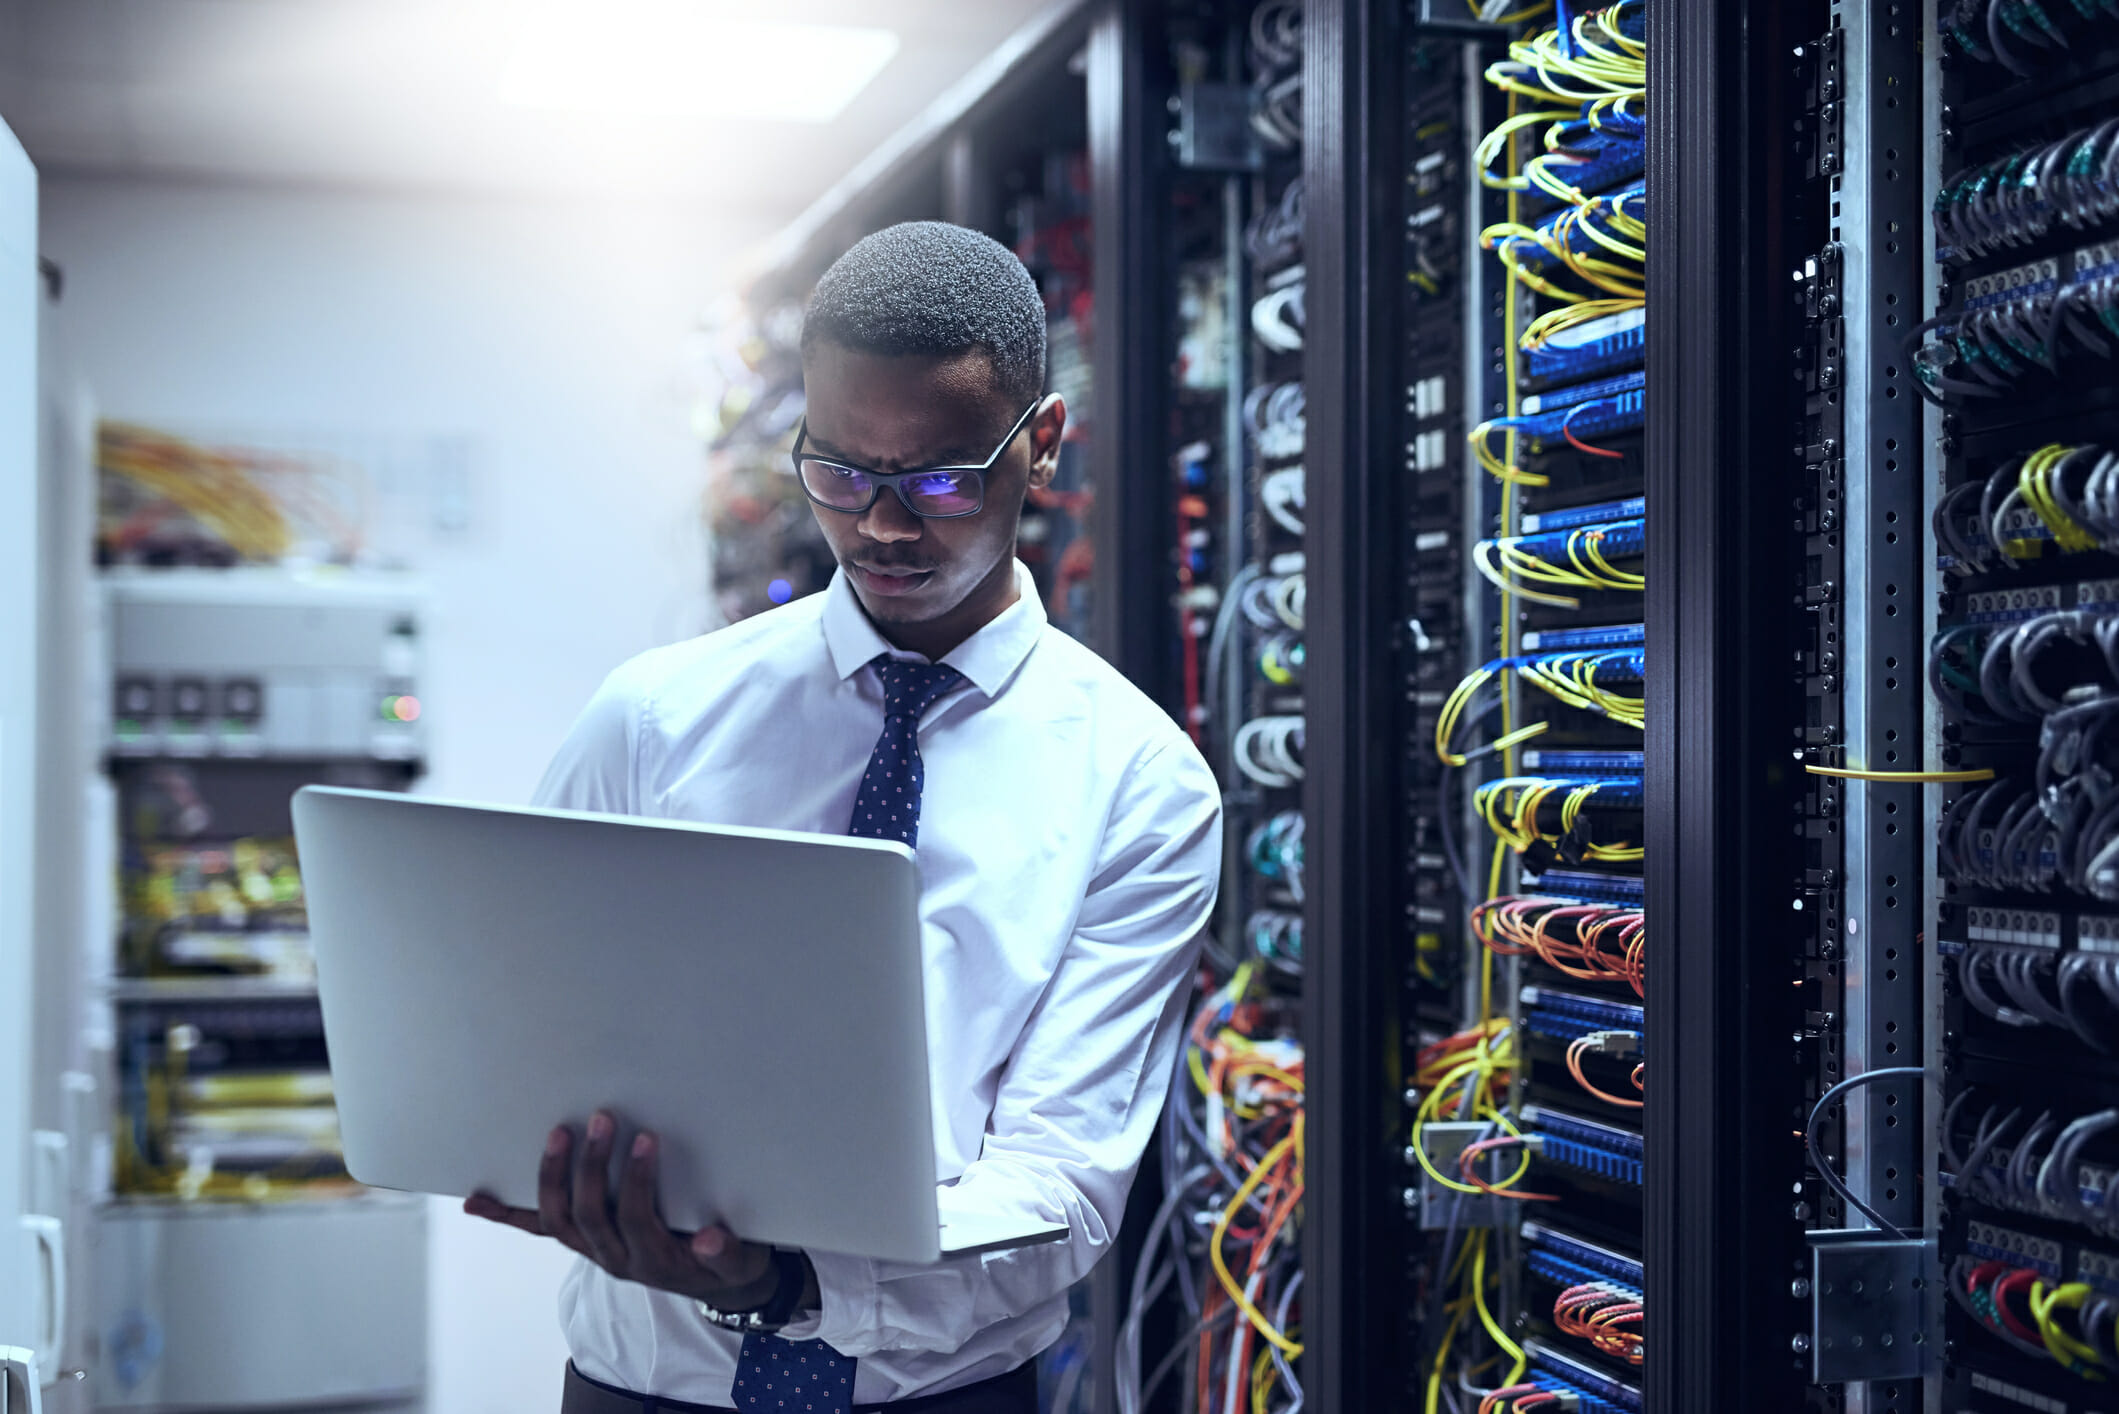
(987, 659)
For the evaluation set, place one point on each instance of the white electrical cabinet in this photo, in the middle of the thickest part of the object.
(236, 1266)
(228, 1306)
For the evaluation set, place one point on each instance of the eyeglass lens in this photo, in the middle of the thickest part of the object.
(934, 493)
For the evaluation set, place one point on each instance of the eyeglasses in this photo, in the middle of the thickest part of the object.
(933, 492)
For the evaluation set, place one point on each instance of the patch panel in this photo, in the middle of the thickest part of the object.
(1586, 1379)
(1560, 1271)
(1613, 666)
(1612, 344)
(1998, 606)
(1568, 517)
(1601, 1149)
(1614, 540)
(1602, 636)
(2000, 1244)
(1586, 885)
(1576, 394)
(1583, 1253)
(1578, 1010)
(1608, 416)
(1584, 762)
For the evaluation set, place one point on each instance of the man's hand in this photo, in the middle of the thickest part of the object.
(628, 1239)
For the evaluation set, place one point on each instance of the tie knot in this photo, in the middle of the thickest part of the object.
(909, 688)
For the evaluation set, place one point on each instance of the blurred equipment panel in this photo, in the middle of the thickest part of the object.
(237, 1307)
(264, 663)
(237, 1265)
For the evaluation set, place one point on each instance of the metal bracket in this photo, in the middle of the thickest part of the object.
(1443, 1207)
(1875, 1306)
(1213, 130)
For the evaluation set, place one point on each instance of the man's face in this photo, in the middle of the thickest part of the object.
(891, 413)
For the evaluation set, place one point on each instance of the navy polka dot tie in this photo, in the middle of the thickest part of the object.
(888, 807)
(807, 1375)
(798, 1376)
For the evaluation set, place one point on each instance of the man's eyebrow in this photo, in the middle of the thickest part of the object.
(825, 447)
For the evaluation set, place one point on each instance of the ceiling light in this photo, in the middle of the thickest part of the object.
(687, 58)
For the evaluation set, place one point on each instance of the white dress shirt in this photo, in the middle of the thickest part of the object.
(1069, 854)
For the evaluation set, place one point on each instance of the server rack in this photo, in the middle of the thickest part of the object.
(2021, 115)
(1779, 633)
(1814, 538)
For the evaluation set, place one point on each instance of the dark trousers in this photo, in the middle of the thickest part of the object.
(1012, 1393)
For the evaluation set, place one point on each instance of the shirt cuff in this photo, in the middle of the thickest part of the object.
(846, 1290)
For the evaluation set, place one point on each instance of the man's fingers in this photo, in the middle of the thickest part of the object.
(555, 1197)
(592, 1196)
(655, 1250)
(485, 1205)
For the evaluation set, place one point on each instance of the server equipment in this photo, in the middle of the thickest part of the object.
(237, 1265)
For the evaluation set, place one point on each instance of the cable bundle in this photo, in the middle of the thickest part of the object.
(1606, 1043)
(2014, 200)
(2024, 672)
(2005, 836)
(1278, 316)
(1275, 850)
(2018, 321)
(1280, 659)
(2026, 986)
(1276, 936)
(1603, 1313)
(1593, 942)
(1276, 36)
(1513, 563)
(1274, 236)
(1232, 1141)
(1283, 493)
(2019, 35)
(1273, 413)
(2043, 1172)
(2066, 496)
(2071, 1322)
(170, 478)
(1269, 750)
(1600, 241)
(1599, 70)
(1276, 59)
(1602, 59)
(1510, 806)
(1460, 1078)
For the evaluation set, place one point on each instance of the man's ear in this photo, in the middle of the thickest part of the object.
(1047, 428)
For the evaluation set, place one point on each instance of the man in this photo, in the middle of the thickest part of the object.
(1068, 839)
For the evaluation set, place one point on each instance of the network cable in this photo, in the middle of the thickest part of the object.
(2021, 35)
(1576, 558)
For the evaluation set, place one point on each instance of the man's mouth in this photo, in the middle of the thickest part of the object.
(891, 579)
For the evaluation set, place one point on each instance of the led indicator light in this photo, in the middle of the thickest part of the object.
(779, 591)
(406, 709)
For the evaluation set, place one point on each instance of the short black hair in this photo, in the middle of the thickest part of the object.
(933, 289)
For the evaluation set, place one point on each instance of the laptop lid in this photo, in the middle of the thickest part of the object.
(753, 995)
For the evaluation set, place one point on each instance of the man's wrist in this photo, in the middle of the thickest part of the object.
(750, 1296)
(776, 1298)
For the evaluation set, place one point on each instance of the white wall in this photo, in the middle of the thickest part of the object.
(549, 335)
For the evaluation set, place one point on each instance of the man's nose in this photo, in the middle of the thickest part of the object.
(888, 520)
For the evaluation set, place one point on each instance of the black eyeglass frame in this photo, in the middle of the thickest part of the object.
(895, 479)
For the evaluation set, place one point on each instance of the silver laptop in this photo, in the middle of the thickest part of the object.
(754, 996)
